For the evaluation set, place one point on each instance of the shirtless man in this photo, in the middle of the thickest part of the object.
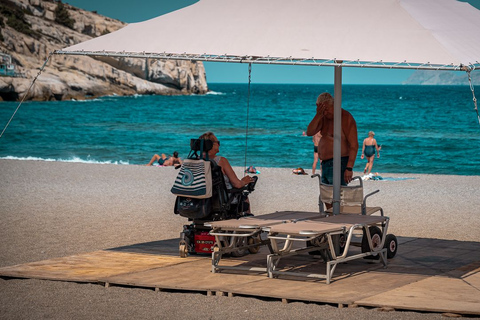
(323, 123)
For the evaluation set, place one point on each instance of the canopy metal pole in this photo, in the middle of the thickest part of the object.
(337, 138)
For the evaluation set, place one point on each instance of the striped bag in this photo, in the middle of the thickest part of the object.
(194, 180)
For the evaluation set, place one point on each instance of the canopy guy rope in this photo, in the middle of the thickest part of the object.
(248, 109)
(26, 93)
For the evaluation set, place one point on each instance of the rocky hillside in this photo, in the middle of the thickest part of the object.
(31, 29)
(427, 77)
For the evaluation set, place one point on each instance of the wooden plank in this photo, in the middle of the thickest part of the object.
(91, 267)
(437, 294)
(195, 276)
(473, 278)
(344, 291)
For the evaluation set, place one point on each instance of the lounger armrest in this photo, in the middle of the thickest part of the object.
(370, 194)
(364, 204)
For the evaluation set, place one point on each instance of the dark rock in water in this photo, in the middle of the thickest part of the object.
(38, 31)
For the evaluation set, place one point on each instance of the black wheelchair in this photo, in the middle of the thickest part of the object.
(222, 205)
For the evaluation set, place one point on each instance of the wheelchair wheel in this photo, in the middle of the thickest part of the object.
(242, 251)
(342, 240)
(313, 253)
(376, 235)
(253, 240)
(391, 244)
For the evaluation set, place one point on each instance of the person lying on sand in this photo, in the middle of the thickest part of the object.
(299, 171)
(165, 160)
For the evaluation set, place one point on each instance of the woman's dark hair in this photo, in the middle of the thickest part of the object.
(175, 154)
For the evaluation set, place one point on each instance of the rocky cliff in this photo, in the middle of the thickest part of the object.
(31, 29)
(431, 77)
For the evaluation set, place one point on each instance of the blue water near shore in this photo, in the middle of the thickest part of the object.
(422, 129)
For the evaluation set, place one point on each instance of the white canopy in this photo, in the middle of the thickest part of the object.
(417, 34)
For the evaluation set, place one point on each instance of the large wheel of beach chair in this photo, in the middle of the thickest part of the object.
(392, 245)
(376, 235)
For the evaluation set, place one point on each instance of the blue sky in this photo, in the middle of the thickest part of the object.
(136, 11)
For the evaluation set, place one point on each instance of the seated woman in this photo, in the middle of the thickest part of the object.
(165, 160)
(231, 179)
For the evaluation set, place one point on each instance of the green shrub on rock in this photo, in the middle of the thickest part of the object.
(62, 16)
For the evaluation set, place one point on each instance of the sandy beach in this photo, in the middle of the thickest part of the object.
(58, 209)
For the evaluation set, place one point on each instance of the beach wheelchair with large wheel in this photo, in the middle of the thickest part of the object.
(217, 203)
(353, 201)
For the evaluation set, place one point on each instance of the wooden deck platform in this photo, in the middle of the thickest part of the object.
(426, 275)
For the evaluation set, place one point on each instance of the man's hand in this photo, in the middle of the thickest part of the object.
(348, 176)
(321, 108)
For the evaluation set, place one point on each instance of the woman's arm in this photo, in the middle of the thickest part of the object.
(377, 147)
(228, 171)
(363, 149)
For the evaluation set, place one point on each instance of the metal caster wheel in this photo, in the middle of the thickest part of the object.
(182, 249)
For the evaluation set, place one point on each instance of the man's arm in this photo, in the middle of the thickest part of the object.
(316, 124)
(352, 139)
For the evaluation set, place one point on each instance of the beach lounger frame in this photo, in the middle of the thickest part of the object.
(353, 201)
(248, 233)
(323, 231)
(236, 242)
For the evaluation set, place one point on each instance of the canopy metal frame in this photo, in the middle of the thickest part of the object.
(277, 60)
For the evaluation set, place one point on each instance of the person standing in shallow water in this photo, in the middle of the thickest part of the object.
(368, 151)
(323, 122)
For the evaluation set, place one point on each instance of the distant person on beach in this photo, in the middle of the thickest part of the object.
(165, 160)
(316, 140)
(323, 122)
(368, 150)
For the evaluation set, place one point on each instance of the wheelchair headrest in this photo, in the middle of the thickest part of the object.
(199, 144)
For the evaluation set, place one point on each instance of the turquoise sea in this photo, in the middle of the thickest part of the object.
(422, 129)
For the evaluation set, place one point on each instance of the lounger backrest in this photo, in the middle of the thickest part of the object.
(349, 195)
